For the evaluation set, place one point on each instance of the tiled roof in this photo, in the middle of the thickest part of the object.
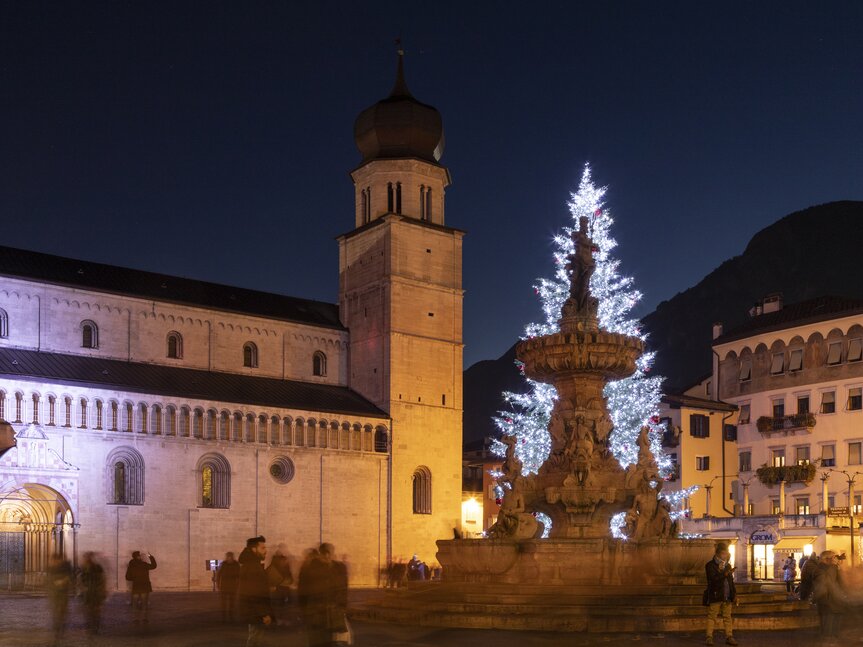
(184, 383)
(676, 400)
(796, 314)
(59, 270)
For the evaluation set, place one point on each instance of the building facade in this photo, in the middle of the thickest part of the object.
(795, 374)
(179, 417)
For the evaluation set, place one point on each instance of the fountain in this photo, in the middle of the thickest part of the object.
(581, 485)
(580, 578)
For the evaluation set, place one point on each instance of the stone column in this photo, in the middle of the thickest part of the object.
(707, 489)
(746, 499)
(781, 498)
(825, 496)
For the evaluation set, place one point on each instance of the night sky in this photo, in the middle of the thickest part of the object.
(214, 140)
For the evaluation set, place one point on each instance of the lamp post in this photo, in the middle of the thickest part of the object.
(850, 478)
(708, 487)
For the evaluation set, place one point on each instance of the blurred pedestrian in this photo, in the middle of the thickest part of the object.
(829, 594)
(323, 598)
(789, 573)
(138, 573)
(94, 593)
(228, 583)
(59, 582)
(280, 578)
(255, 589)
(807, 577)
(720, 594)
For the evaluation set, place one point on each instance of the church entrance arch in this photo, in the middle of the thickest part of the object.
(35, 522)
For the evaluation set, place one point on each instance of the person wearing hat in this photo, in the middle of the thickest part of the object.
(720, 594)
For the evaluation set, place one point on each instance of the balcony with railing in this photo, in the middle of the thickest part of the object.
(784, 424)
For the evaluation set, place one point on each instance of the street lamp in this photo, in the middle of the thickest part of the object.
(850, 478)
(708, 487)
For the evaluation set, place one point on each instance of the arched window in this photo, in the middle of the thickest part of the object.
(250, 355)
(422, 491)
(175, 345)
(156, 420)
(428, 204)
(224, 424)
(212, 418)
(423, 202)
(198, 427)
(262, 429)
(2, 405)
(4, 324)
(171, 422)
(390, 201)
(381, 440)
(214, 481)
(125, 477)
(89, 334)
(398, 197)
(299, 438)
(319, 364)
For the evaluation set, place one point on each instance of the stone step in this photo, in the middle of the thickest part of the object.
(517, 598)
(592, 610)
(611, 622)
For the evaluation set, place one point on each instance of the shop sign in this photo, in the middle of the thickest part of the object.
(762, 537)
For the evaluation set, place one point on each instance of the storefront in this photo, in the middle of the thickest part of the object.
(761, 559)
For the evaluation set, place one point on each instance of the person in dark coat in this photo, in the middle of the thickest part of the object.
(59, 580)
(255, 589)
(228, 583)
(323, 597)
(138, 573)
(829, 594)
(807, 577)
(94, 593)
(720, 594)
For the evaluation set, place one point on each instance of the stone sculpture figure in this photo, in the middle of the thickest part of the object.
(581, 266)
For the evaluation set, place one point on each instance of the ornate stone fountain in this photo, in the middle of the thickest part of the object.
(581, 485)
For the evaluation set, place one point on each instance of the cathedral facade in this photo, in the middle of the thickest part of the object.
(180, 417)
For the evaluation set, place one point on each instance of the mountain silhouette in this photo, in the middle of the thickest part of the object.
(804, 255)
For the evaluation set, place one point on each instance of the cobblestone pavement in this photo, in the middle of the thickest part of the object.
(192, 620)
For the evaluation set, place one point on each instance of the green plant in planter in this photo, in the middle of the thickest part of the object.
(771, 475)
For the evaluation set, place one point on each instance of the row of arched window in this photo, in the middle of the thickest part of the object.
(188, 422)
(394, 201)
(125, 478)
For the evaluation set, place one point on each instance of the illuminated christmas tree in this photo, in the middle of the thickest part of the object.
(632, 402)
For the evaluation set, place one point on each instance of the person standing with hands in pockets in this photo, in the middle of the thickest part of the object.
(720, 594)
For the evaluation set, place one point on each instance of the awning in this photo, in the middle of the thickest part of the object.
(793, 544)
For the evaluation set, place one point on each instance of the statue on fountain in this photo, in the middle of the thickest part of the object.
(581, 485)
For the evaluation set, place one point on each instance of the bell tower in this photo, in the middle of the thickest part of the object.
(400, 295)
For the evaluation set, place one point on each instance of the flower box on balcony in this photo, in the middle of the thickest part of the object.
(768, 424)
(770, 475)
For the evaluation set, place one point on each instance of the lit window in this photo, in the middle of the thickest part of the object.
(828, 402)
(857, 501)
(855, 399)
(778, 364)
(250, 355)
(855, 350)
(745, 464)
(175, 345)
(319, 364)
(803, 505)
(854, 456)
(795, 361)
(214, 481)
(744, 414)
(4, 324)
(89, 335)
(802, 455)
(828, 455)
(803, 404)
(745, 369)
(422, 492)
(834, 353)
(774, 507)
(778, 457)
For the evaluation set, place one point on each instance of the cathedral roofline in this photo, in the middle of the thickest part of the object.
(113, 279)
(184, 383)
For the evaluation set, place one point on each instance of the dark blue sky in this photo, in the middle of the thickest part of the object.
(214, 140)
